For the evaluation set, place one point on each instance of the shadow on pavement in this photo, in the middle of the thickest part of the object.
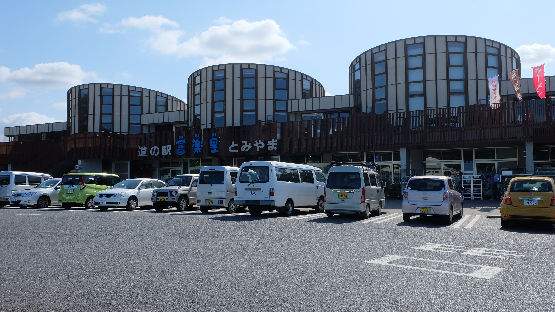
(427, 222)
(530, 227)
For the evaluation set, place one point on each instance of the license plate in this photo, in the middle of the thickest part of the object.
(161, 198)
(70, 191)
(425, 210)
(530, 202)
(342, 195)
(209, 202)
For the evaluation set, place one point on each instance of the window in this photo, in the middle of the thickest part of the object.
(233, 176)
(196, 102)
(33, 180)
(107, 180)
(380, 78)
(161, 104)
(343, 180)
(135, 110)
(320, 176)
(307, 89)
(373, 180)
(83, 111)
(356, 83)
(218, 96)
(106, 109)
(426, 185)
(415, 76)
(280, 96)
(20, 180)
(287, 175)
(211, 177)
(456, 77)
(307, 177)
(254, 174)
(248, 95)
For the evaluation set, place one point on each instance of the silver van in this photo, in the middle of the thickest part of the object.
(14, 183)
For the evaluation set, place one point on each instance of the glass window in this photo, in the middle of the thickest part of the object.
(197, 99)
(219, 106)
(211, 177)
(197, 79)
(287, 175)
(416, 88)
(197, 88)
(219, 85)
(416, 75)
(456, 59)
(219, 95)
(249, 94)
(343, 180)
(379, 68)
(380, 93)
(281, 84)
(531, 186)
(379, 80)
(492, 50)
(456, 100)
(134, 100)
(381, 107)
(454, 46)
(197, 109)
(492, 72)
(426, 185)
(134, 129)
(281, 94)
(492, 61)
(134, 109)
(456, 72)
(249, 118)
(218, 74)
(107, 91)
(34, 180)
(249, 83)
(320, 176)
(280, 75)
(135, 118)
(281, 105)
(135, 93)
(161, 104)
(357, 65)
(306, 84)
(249, 105)
(456, 86)
(379, 56)
(416, 103)
(281, 117)
(414, 49)
(106, 127)
(357, 75)
(106, 109)
(307, 176)
(219, 120)
(106, 118)
(414, 61)
(107, 100)
(249, 72)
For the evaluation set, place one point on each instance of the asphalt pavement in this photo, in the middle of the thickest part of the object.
(87, 260)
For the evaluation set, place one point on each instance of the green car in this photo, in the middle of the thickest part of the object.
(79, 189)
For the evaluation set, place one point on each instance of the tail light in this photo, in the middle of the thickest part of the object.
(83, 183)
(405, 195)
(235, 192)
(445, 195)
(509, 202)
(363, 197)
(272, 193)
(553, 201)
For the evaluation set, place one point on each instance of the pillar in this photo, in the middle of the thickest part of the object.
(529, 146)
(404, 162)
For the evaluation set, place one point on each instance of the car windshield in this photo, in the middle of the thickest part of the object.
(180, 181)
(531, 186)
(4, 180)
(72, 179)
(254, 174)
(48, 183)
(343, 180)
(211, 177)
(433, 185)
(127, 184)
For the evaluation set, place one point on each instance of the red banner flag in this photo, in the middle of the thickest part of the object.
(539, 81)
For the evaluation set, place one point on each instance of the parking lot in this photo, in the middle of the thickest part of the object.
(86, 259)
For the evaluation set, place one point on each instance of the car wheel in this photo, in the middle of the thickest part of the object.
(366, 213)
(203, 209)
(182, 203)
(231, 207)
(449, 217)
(89, 203)
(255, 211)
(378, 211)
(66, 206)
(406, 217)
(288, 209)
(320, 205)
(43, 202)
(158, 207)
(505, 223)
(131, 204)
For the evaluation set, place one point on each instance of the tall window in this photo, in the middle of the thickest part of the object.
(307, 89)
(218, 97)
(249, 96)
(280, 96)
(107, 109)
(83, 111)
(415, 76)
(161, 104)
(135, 110)
(456, 74)
(196, 102)
(380, 80)
(356, 81)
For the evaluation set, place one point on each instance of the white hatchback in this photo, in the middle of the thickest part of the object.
(431, 195)
(131, 194)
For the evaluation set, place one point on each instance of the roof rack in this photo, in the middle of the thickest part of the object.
(367, 164)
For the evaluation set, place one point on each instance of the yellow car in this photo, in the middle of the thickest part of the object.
(528, 199)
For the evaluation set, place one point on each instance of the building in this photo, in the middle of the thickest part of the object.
(415, 106)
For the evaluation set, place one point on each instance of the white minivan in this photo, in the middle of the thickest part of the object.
(216, 188)
(353, 188)
(269, 185)
(16, 182)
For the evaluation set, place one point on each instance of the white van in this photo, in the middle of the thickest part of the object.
(216, 188)
(353, 188)
(16, 182)
(269, 185)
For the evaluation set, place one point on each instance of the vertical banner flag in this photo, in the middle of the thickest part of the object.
(539, 81)
(515, 80)
(494, 98)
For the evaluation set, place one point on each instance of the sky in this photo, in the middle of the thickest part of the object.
(46, 47)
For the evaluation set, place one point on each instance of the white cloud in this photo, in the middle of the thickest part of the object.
(14, 94)
(29, 118)
(328, 94)
(85, 13)
(238, 41)
(304, 42)
(59, 105)
(533, 55)
(47, 75)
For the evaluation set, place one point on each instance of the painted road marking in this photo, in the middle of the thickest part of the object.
(28, 214)
(393, 216)
(460, 222)
(382, 217)
(441, 248)
(438, 266)
(302, 217)
(476, 251)
(472, 222)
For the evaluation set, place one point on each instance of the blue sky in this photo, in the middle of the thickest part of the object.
(48, 46)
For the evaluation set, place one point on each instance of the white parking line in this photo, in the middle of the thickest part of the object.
(472, 222)
(308, 216)
(28, 214)
(393, 216)
(373, 219)
(459, 223)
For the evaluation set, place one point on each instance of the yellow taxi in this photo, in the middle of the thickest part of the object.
(528, 199)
